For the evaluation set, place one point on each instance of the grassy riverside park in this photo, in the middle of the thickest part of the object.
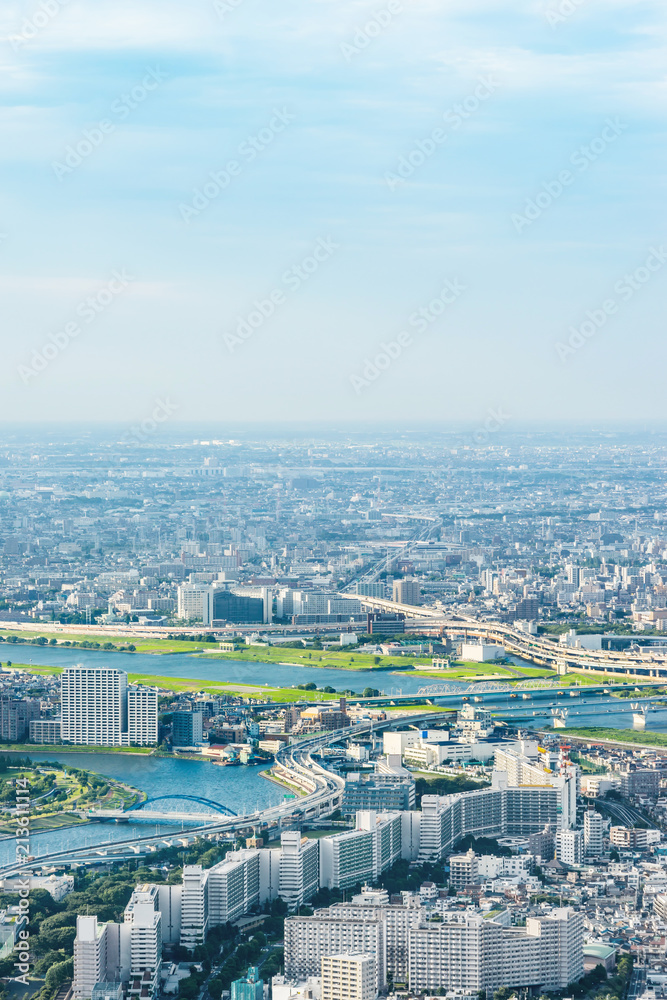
(332, 659)
(642, 738)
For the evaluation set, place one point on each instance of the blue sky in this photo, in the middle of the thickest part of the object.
(333, 93)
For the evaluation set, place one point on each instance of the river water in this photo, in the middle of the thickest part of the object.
(242, 789)
(222, 671)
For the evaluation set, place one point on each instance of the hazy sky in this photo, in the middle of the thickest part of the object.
(462, 181)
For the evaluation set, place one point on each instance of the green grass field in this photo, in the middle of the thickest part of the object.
(593, 733)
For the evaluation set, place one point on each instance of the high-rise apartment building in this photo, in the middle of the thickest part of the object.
(469, 952)
(310, 939)
(233, 887)
(194, 907)
(463, 870)
(299, 876)
(98, 709)
(90, 956)
(94, 706)
(570, 847)
(348, 977)
(363, 854)
(187, 729)
(593, 830)
(15, 717)
(142, 716)
(407, 591)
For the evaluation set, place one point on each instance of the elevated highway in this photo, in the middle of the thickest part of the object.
(537, 649)
(320, 793)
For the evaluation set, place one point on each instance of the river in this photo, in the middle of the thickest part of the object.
(241, 789)
(222, 671)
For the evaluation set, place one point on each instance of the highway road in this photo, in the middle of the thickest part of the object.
(296, 764)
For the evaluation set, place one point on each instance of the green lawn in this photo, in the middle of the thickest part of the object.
(593, 733)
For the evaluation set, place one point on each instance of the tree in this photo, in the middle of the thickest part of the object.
(215, 988)
(58, 973)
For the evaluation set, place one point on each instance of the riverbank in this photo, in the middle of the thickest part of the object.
(294, 789)
(59, 793)
(618, 737)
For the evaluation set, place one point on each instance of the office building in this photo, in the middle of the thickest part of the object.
(15, 717)
(361, 855)
(407, 591)
(348, 977)
(238, 608)
(570, 847)
(142, 716)
(187, 729)
(195, 603)
(385, 624)
(249, 988)
(593, 830)
(98, 709)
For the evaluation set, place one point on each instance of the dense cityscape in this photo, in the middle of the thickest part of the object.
(428, 830)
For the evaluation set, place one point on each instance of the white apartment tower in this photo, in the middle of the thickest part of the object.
(94, 706)
(98, 709)
(348, 977)
(194, 907)
(142, 716)
(593, 827)
(144, 920)
(90, 956)
(233, 887)
(299, 877)
(362, 854)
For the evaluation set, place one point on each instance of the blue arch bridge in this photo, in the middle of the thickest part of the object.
(215, 807)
